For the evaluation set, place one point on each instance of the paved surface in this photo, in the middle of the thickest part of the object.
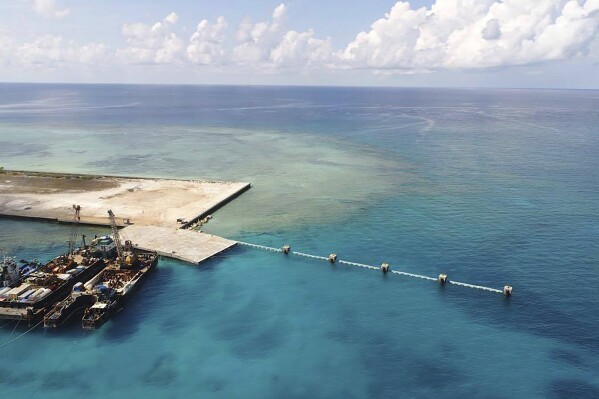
(186, 245)
(152, 202)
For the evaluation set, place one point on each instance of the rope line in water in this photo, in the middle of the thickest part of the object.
(358, 264)
(75, 343)
(478, 287)
(260, 246)
(19, 336)
(309, 256)
(345, 262)
(414, 275)
(15, 328)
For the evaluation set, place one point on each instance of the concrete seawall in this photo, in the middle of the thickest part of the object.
(141, 201)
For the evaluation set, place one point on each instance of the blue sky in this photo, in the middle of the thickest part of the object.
(489, 43)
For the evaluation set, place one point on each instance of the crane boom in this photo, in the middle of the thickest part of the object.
(116, 237)
(73, 235)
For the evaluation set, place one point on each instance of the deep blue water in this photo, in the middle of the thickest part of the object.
(489, 186)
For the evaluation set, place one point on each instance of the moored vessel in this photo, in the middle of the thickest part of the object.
(114, 285)
(31, 296)
(75, 303)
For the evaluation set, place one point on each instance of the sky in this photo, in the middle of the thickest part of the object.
(424, 43)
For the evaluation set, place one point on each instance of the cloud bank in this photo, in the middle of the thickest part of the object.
(450, 35)
(151, 44)
(476, 34)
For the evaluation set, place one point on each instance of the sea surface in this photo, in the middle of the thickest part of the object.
(491, 187)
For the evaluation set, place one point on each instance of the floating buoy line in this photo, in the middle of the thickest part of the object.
(332, 258)
(385, 268)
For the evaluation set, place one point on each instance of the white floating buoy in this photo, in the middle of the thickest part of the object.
(507, 290)
(385, 267)
(333, 258)
(442, 279)
(286, 249)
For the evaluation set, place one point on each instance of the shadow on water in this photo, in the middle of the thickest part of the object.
(125, 323)
(188, 300)
(137, 163)
(162, 372)
(161, 288)
(527, 312)
(9, 149)
(572, 389)
(569, 357)
(418, 373)
(65, 379)
(249, 324)
(10, 378)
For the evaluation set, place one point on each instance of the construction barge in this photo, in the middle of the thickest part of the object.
(104, 294)
(29, 298)
(93, 280)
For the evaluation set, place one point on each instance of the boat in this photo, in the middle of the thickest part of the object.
(27, 267)
(9, 273)
(33, 294)
(115, 283)
(75, 303)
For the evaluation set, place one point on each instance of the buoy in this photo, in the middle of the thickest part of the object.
(333, 258)
(442, 279)
(507, 290)
(385, 267)
(286, 249)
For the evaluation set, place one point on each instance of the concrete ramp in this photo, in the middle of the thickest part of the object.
(185, 245)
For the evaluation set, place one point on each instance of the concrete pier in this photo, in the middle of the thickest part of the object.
(185, 245)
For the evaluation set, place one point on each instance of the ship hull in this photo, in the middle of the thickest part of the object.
(117, 304)
(35, 311)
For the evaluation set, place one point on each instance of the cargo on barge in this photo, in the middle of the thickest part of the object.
(33, 291)
(31, 297)
(114, 285)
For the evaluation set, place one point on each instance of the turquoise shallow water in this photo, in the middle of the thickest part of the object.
(490, 187)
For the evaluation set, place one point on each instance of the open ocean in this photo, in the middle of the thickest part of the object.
(492, 187)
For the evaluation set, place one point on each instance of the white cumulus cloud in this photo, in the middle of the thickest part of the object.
(450, 34)
(257, 40)
(475, 34)
(151, 44)
(206, 44)
(90, 53)
(49, 9)
(301, 49)
(45, 50)
(51, 51)
(269, 44)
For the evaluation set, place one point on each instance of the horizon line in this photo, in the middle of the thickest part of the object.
(296, 86)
